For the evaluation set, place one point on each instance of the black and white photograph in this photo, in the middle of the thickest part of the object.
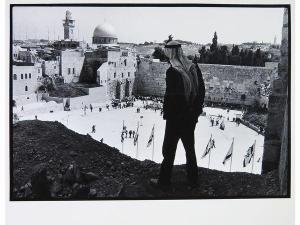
(149, 102)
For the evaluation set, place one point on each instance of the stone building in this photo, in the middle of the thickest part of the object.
(277, 135)
(71, 62)
(109, 65)
(118, 73)
(25, 81)
(104, 34)
(51, 67)
(69, 25)
(23, 54)
(69, 41)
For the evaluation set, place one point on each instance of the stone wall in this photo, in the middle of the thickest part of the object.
(276, 145)
(150, 78)
(124, 85)
(50, 68)
(224, 83)
(93, 59)
(71, 65)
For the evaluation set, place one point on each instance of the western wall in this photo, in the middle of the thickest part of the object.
(224, 83)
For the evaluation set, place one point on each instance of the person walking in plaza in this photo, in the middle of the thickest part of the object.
(130, 132)
(84, 109)
(94, 129)
(183, 103)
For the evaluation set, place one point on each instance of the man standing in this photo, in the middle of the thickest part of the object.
(183, 103)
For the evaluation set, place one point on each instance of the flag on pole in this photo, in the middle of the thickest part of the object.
(209, 146)
(249, 155)
(151, 137)
(229, 153)
(136, 137)
(122, 136)
(122, 132)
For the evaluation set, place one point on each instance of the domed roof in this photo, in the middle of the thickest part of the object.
(105, 30)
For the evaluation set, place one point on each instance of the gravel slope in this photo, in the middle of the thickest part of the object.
(50, 161)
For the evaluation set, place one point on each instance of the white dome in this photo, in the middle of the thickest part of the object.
(105, 30)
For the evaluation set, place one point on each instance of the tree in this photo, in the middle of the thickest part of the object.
(214, 45)
(190, 57)
(258, 58)
(215, 57)
(224, 54)
(249, 58)
(159, 54)
(196, 59)
(235, 50)
(243, 55)
(203, 54)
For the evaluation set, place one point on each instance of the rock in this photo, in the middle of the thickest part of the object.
(93, 192)
(109, 163)
(72, 174)
(56, 187)
(81, 191)
(72, 153)
(90, 176)
(133, 191)
(75, 185)
(39, 181)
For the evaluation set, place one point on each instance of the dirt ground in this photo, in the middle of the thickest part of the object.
(51, 162)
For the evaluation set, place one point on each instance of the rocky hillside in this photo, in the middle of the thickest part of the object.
(50, 161)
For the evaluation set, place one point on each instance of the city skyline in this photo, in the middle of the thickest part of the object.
(156, 25)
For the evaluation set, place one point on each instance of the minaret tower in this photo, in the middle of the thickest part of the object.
(69, 26)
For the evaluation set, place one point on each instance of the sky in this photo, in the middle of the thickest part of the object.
(140, 24)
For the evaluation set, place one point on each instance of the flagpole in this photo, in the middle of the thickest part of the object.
(122, 145)
(137, 142)
(123, 138)
(253, 156)
(153, 144)
(209, 159)
(231, 154)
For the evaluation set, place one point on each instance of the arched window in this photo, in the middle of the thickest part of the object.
(29, 75)
(25, 75)
(15, 76)
(26, 88)
(21, 75)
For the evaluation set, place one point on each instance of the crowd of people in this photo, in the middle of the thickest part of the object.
(127, 133)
